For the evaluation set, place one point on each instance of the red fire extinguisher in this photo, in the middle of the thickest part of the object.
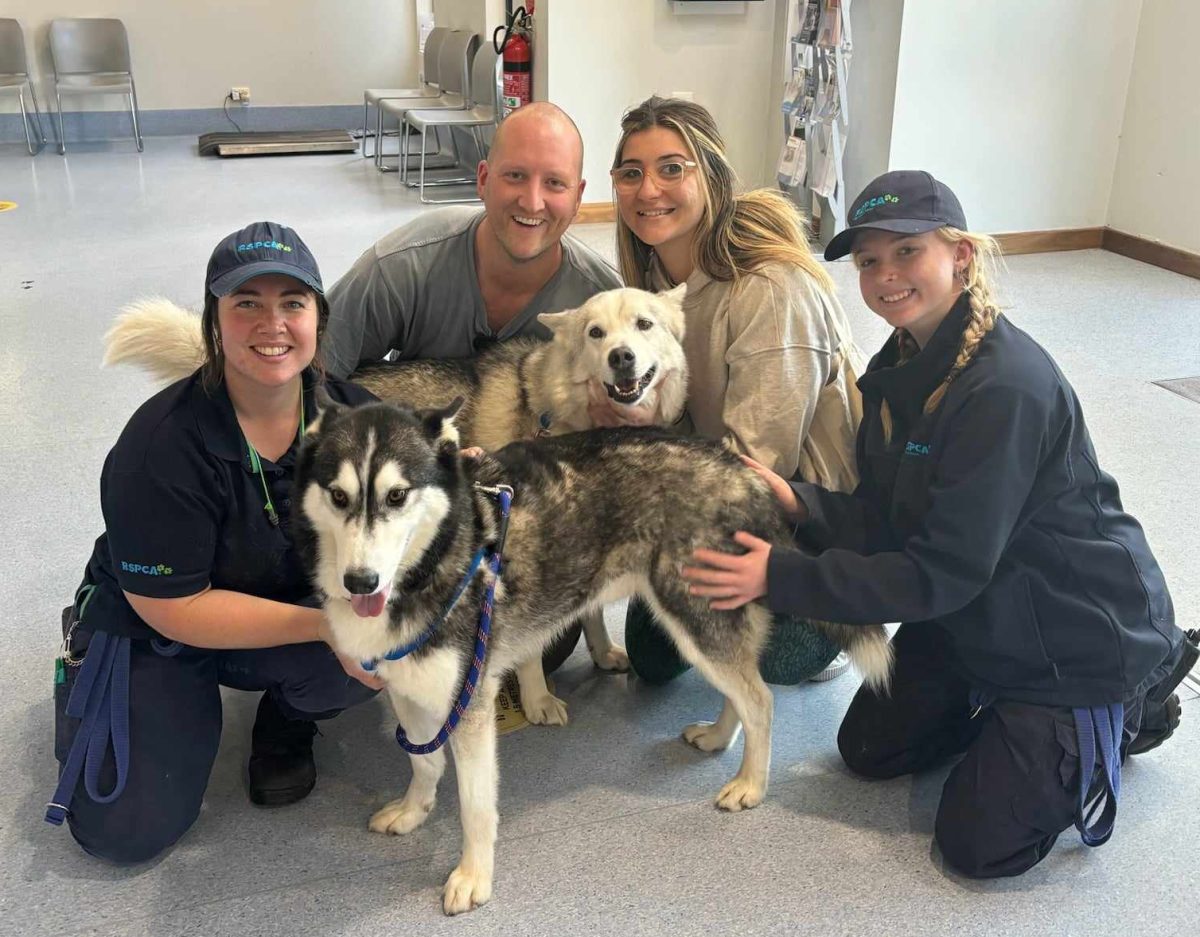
(516, 52)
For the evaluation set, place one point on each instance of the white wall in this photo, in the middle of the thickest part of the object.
(1156, 186)
(607, 56)
(871, 92)
(188, 54)
(1017, 104)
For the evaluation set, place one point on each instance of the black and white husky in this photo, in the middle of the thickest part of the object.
(393, 515)
(625, 343)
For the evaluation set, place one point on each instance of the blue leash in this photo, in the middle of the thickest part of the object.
(100, 698)
(1096, 727)
(504, 495)
(1102, 726)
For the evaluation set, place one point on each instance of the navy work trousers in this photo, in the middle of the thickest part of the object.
(174, 728)
(1016, 787)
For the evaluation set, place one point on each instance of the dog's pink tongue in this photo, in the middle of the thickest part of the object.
(369, 606)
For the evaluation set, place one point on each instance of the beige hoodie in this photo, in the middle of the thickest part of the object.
(772, 370)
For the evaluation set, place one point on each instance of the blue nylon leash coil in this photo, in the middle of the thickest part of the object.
(495, 564)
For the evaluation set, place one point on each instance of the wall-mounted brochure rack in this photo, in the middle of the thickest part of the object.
(815, 117)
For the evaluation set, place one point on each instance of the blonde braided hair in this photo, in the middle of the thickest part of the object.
(978, 278)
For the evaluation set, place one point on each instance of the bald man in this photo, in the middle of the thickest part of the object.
(456, 279)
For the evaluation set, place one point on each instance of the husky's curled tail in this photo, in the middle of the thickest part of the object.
(158, 335)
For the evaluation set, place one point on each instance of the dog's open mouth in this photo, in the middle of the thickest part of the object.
(631, 391)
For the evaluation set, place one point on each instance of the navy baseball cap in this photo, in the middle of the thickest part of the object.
(906, 201)
(263, 247)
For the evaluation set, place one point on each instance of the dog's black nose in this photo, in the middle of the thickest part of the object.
(361, 581)
(621, 358)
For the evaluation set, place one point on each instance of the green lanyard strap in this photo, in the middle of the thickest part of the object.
(256, 468)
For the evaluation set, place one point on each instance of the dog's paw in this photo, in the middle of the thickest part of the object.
(547, 710)
(465, 891)
(707, 737)
(740, 794)
(614, 660)
(399, 817)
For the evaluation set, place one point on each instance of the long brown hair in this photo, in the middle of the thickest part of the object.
(978, 282)
(737, 234)
(212, 372)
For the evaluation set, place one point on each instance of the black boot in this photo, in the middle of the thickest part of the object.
(282, 770)
(1162, 710)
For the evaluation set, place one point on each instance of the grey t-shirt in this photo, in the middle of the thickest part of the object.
(416, 291)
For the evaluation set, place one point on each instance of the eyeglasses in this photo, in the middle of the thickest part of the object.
(665, 175)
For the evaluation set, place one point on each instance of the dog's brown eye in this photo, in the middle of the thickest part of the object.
(339, 498)
(396, 497)
(596, 332)
(644, 325)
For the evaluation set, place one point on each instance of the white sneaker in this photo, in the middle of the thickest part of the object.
(838, 666)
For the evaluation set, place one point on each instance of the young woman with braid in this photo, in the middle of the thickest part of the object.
(1037, 628)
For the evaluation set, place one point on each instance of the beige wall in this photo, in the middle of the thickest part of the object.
(607, 56)
(188, 54)
(1017, 104)
(1155, 193)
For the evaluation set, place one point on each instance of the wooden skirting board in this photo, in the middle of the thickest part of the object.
(1152, 252)
(1028, 242)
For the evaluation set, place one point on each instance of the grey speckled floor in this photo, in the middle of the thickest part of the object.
(606, 826)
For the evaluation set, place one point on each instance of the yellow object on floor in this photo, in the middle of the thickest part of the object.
(509, 715)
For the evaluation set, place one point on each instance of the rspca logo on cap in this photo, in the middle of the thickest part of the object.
(917, 449)
(269, 245)
(873, 203)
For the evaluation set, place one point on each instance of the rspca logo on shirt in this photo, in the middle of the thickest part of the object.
(159, 570)
(271, 245)
(917, 449)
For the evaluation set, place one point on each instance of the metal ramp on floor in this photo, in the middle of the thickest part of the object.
(277, 143)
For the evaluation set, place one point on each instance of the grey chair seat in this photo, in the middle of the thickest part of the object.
(375, 95)
(477, 116)
(13, 82)
(398, 107)
(95, 84)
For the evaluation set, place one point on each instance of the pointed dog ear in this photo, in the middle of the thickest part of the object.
(556, 320)
(327, 409)
(672, 309)
(438, 424)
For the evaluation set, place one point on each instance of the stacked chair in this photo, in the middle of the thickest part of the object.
(430, 87)
(454, 58)
(14, 78)
(483, 111)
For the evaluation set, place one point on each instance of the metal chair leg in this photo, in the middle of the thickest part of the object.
(421, 178)
(62, 140)
(133, 112)
(363, 149)
(37, 112)
(25, 121)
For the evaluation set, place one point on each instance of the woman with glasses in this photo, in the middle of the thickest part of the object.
(772, 367)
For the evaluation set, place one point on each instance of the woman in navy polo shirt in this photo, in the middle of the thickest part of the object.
(194, 583)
